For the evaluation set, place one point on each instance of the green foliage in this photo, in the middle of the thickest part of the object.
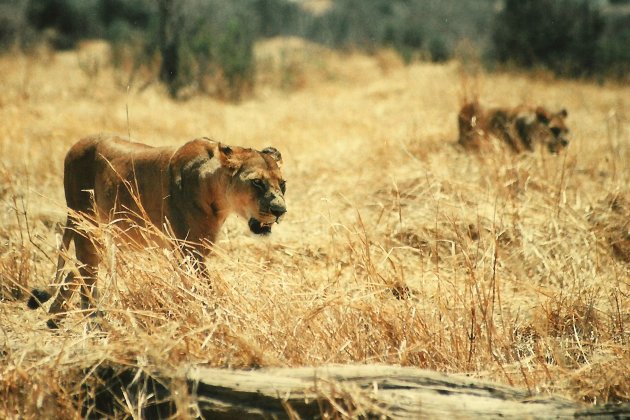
(202, 46)
(370, 24)
(136, 13)
(211, 41)
(207, 45)
(277, 17)
(561, 35)
(12, 23)
(235, 55)
(68, 20)
(613, 49)
(439, 50)
(425, 28)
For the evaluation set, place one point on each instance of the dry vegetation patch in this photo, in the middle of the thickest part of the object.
(398, 247)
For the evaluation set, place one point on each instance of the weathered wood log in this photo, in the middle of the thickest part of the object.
(371, 391)
(353, 391)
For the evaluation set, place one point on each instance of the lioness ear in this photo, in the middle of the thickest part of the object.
(563, 113)
(228, 158)
(542, 115)
(274, 153)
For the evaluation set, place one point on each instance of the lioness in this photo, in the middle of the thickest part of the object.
(520, 128)
(188, 191)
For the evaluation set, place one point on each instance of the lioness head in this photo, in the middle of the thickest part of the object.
(552, 129)
(257, 187)
(209, 180)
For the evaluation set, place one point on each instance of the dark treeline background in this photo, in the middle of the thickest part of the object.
(186, 40)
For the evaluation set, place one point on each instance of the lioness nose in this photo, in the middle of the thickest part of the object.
(277, 210)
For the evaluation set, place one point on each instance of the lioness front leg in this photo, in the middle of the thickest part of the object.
(60, 305)
(88, 259)
(87, 254)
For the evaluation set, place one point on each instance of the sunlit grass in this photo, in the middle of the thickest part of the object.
(398, 247)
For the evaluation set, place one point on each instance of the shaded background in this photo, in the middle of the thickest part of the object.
(207, 46)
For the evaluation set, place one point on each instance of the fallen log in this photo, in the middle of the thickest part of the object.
(371, 391)
(333, 391)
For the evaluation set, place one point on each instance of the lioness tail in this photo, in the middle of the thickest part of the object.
(38, 297)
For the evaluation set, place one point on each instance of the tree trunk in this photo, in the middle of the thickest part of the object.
(168, 43)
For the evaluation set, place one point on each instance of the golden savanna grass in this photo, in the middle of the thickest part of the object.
(398, 246)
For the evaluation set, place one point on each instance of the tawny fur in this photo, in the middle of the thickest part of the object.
(188, 191)
(520, 128)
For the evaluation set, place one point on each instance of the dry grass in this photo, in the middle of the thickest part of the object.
(398, 247)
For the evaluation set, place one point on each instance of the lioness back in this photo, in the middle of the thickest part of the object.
(119, 174)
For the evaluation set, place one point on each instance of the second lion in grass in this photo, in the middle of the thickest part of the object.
(521, 128)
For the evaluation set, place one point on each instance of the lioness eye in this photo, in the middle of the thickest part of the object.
(258, 184)
(283, 186)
